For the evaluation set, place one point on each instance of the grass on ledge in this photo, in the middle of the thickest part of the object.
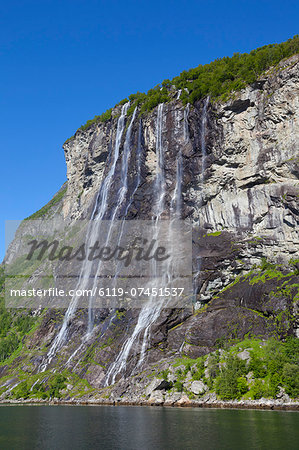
(45, 209)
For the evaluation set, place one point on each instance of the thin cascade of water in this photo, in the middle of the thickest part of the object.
(131, 198)
(92, 232)
(154, 307)
(149, 311)
(121, 195)
(176, 200)
(186, 126)
(160, 176)
(109, 178)
(138, 165)
(203, 135)
(123, 189)
(86, 339)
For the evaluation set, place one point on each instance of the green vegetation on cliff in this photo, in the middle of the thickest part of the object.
(217, 79)
(222, 76)
(50, 388)
(45, 209)
(49, 385)
(14, 325)
(271, 365)
(250, 369)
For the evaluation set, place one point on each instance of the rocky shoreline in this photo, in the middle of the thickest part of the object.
(184, 402)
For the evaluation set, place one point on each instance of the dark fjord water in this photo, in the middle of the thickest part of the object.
(121, 427)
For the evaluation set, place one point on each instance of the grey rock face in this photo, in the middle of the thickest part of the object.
(251, 165)
(242, 185)
(253, 172)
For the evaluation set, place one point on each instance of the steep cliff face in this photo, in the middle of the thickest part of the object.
(240, 165)
(250, 151)
(254, 170)
(239, 189)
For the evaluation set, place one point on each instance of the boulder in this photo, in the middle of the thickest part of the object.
(244, 355)
(156, 398)
(152, 386)
(184, 401)
(198, 387)
(157, 385)
(172, 397)
(209, 397)
(282, 395)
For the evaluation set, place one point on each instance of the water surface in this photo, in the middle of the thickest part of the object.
(125, 427)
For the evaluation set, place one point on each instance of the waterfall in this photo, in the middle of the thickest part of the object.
(105, 189)
(203, 131)
(138, 165)
(124, 188)
(131, 198)
(152, 309)
(203, 128)
(149, 313)
(124, 167)
(176, 199)
(92, 232)
(121, 195)
(160, 176)
(186, 127)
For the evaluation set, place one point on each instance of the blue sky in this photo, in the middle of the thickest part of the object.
(63, 62)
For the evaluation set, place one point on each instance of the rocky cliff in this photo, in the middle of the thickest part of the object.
(238, 167)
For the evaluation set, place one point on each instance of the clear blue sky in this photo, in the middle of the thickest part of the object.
(64, 61)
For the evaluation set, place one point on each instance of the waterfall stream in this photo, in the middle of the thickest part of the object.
(92, 233)
(151, 311)
(131, 197)
(148, 311)
(121, 195)
(203, 127)
(203, 135)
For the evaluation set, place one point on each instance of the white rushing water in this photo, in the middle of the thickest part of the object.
(203, 135)
(151, 311)
(131, 197)
(203, 128)
(175, 214)
(98, 213)
(176, 199)
(138, 165)
(121, 196)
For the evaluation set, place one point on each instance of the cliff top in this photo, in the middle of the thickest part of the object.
(217, 79)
